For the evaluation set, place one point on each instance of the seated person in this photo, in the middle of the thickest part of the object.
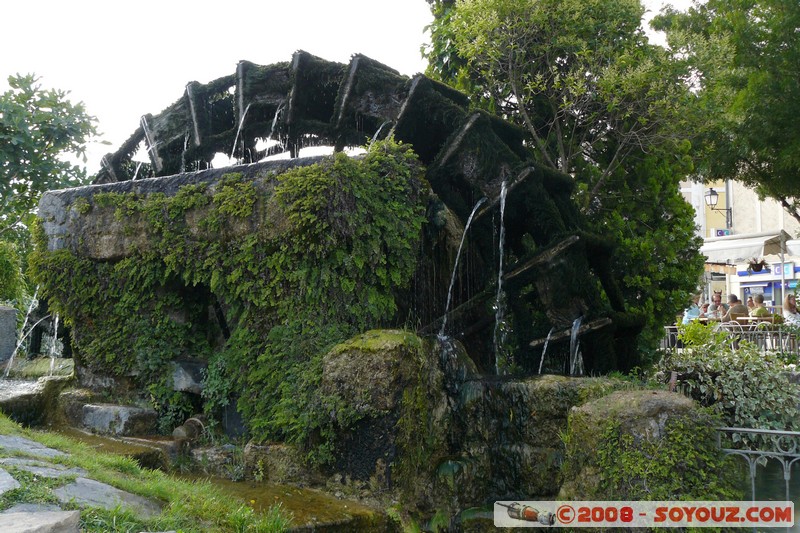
(693, 311)
(790, 314)
(717, 309)
(759, 310)
(736, 309)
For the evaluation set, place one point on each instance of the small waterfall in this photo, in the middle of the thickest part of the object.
(575, 356)
(500, 327)
(455, 266)
(22, 335)
(454, 374)
(151, 144)
(375, 137)
(136, 172)
(275, 119)
(544, 349)
(183, 153)
(19, 344)
(239, 129)
(53, 345)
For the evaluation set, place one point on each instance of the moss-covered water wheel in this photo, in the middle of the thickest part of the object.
(556, 271)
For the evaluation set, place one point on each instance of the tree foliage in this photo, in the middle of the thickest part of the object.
(598, 103)
(39, 129)
(743, 57)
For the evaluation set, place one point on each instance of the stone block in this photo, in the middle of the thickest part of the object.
(91, 493)
(41, 522)
(119, 420)
(187, 376)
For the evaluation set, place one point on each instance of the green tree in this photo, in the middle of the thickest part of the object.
(743, 57)
(39, 130)
(599, 103)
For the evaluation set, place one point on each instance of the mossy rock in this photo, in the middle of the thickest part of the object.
(645, 445)
(369, 372)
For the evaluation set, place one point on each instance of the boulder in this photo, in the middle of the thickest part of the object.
(88, 492)
(7, 482)
(277, 463)
(377, 387)
(644, 445)
(41, 522)
(187, 376)
(120, 420)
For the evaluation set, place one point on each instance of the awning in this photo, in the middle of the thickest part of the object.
(739, 248)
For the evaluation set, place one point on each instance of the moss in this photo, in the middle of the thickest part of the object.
(297, 264)
(614, 453)
(380, 340)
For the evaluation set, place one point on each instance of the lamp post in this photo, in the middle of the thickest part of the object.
(712, 197)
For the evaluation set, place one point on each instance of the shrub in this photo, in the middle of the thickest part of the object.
(745, 386)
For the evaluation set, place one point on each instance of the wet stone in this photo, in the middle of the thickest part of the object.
(32, 508)
(27, 446)
(41, 469)
(48, 521)
(119, 419)
(88, 492)
(7, 482)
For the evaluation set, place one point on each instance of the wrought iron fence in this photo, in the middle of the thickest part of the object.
(776, 338)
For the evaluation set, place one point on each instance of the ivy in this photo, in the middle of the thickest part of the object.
(684, 464)
(297, 263)
(745, 386)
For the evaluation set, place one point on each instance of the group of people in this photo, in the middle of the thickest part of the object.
(735, 309)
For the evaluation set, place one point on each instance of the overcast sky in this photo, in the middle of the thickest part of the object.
(124, 60)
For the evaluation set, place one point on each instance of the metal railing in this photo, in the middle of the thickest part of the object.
(766, 336)
(781, 446)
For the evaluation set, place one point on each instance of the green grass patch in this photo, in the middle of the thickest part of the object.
(196, 506)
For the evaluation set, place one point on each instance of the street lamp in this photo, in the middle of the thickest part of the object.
(712, 197)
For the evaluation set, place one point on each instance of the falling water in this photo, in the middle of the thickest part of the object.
(19, 344)
(575, 357)
(455, 266)
(239, 129)
(21, 334)
(136, 172)
(183, 153)
(375, 137)
(53, 347)
(500, 329)
(544, 350)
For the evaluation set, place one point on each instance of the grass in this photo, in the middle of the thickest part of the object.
(189, 506)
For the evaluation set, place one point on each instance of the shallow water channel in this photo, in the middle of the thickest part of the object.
(308, 507)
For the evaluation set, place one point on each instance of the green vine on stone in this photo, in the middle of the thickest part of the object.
(298, 262)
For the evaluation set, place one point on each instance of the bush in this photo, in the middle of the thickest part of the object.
(745, 386)
(12, 285)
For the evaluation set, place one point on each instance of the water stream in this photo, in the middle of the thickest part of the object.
(500, 327)
(136, 172)
(239, 130)
(375, 137)
(455, 266)
(575, 356)
(544, 349)
(22, 335)
(54, 345)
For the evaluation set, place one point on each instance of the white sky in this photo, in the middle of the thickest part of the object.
(124, 60)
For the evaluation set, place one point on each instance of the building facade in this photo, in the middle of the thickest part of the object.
(738, 228)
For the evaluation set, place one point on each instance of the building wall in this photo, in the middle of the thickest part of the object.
(751, 215)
